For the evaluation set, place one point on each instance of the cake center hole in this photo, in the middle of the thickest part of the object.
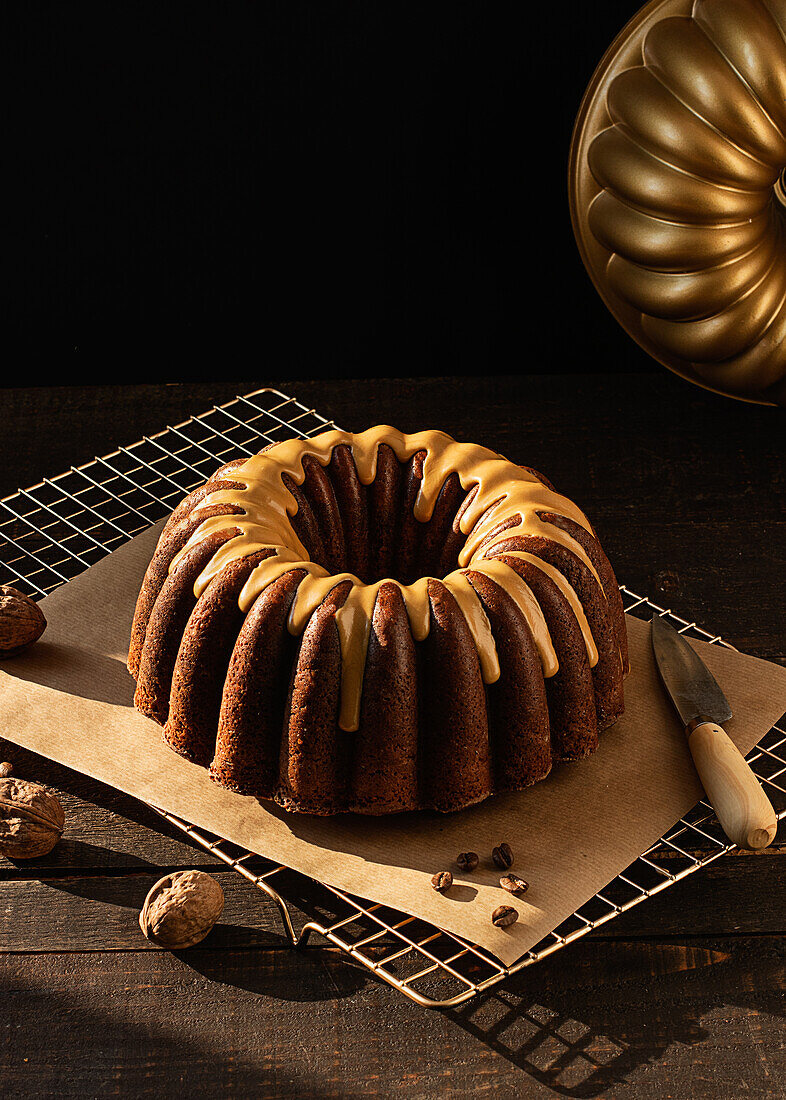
(406, 549)
(394, 545)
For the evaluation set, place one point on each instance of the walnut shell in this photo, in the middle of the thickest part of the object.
(22, 621)
(181, 909)
(31, 819)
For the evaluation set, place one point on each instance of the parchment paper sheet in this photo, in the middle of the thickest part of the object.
(70, 698)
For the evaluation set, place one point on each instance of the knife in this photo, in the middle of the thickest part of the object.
(742, 807)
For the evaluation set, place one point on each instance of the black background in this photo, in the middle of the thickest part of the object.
(300, 190)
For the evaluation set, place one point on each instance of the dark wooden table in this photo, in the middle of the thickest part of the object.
(681, 997)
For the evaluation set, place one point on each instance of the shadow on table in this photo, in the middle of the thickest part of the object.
(116, 1044)
(216, 957)
(581, 1033)
(76, 855)
(324, 980)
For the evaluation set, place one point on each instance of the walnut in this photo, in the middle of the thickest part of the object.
(22, 621)
(181, 909)
(31, 819)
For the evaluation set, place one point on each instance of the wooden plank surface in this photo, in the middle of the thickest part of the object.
(682, 996)
(707, 1023)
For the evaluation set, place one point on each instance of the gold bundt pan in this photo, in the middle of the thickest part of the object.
(677, 182)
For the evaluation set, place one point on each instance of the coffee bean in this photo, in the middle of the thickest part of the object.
(467, 861)
(504, 915)
(442, 881)
(513, 884)
(503, 856)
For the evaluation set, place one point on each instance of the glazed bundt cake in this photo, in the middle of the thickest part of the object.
(376, 623)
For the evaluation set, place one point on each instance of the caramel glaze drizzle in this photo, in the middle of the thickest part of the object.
(500, 491)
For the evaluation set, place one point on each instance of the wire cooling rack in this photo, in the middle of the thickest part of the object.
(58, 528)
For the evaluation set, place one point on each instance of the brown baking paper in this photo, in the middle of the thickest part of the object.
(70, 698)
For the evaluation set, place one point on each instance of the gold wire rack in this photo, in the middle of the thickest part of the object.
(54, 530)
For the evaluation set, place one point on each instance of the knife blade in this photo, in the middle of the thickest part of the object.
(742, 807)
(693, 689)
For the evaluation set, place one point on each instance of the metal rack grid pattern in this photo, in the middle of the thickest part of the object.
(54, 530)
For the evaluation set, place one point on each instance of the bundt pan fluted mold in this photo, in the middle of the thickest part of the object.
(677, 190)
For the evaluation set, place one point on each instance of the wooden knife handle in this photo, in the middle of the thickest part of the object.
(743, 808)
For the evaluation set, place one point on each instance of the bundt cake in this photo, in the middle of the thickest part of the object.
(376, 623)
